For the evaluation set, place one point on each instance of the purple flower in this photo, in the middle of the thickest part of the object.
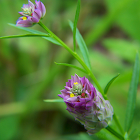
(86, 104)
(31, 14)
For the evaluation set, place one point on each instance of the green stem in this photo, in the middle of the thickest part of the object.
(75, 55)
(118, 123)
(88, 71)
(114, 133)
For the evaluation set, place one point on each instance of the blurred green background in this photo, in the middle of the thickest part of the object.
(28, 74)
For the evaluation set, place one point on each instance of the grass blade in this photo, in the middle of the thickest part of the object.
(36, 32)
(132, 95)
(54, 101)
(75, 24)
(82, 46)
(109, 83)
(25, 35)
(73, 66)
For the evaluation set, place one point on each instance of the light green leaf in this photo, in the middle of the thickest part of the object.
(73, 66)
(82, 46)
(25, 35)
(132, 95)
(54, 100)
(36, 32)
(139, 136)
(75, 24)
(126, 136)
(109, 83)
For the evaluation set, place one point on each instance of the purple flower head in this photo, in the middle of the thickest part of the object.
(31, 14)
(86, 104)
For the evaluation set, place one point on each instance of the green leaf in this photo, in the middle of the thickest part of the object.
(25, 35)
(111, 130)
(109, 83)
(54, 100)
(132, 95)
(73, 66)
(75, 24)
(82, 46)
(36, 32)
(139, 136)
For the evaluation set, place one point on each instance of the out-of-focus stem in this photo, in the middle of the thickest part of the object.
(118, 123)
(115, 133)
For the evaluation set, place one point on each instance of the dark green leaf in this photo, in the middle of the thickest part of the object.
(82, 46)
(36, 32)
(25, 35)
(53, 100)
(109, 83)
(75, 24)
(73, 66)
(132, 95)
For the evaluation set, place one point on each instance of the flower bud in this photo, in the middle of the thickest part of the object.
(86, 104)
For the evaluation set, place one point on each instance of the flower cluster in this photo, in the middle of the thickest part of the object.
(31, 14)
(86, 104)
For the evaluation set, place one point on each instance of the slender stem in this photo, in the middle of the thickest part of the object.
(114, 133)
(75, 55)
(118, 123)
(88, 71)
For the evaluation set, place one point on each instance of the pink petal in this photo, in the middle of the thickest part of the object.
(24, 23)
(37, 14)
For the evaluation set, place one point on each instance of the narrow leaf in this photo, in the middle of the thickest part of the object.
(36, 32)
(25, 35)
(132, 95)
(54, 100)
(75, 24)
(109, 83)
(73, 66)
(82, 46)
(139, 136)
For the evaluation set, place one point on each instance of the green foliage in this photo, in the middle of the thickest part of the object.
(124, 49)
(82, 46)
(109, 84)
(26, 35)
(73, 66)
(126, 136)
(36, 32)
(28, 74)
(75, 24)
(8, 127)
(54, 100)
(132, 95)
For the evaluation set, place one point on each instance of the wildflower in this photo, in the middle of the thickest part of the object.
(31, 14)
(86, 104)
